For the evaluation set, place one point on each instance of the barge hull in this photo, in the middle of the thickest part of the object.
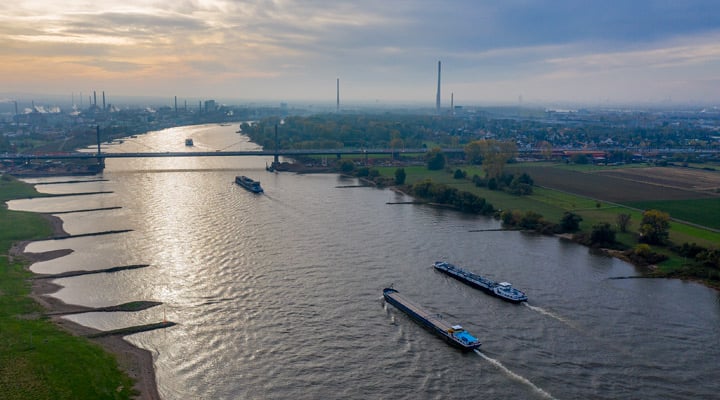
(430, 321)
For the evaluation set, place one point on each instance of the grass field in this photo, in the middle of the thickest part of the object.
(37, 359)
(705, 212)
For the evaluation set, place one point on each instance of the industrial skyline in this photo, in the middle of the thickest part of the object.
(543, 51)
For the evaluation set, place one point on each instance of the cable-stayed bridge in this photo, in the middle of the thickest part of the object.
(218, 153)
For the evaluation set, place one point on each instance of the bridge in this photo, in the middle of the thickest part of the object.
(218, 153)
(100, 155)
(393, 152)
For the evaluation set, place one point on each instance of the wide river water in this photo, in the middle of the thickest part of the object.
(278, 296)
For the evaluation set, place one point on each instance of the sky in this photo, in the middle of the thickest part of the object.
(382, 51)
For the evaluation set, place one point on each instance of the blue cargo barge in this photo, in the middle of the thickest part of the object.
(454, 334)
(503, 290)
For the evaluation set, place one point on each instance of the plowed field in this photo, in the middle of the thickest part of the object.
(632, 184)
(681, 178)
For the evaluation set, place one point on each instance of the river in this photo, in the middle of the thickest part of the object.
(278, 296)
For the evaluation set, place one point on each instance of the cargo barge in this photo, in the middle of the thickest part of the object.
(503, 290)
(454, 334)
(249, 184)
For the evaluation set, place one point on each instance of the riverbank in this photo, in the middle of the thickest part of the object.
(137, 363)
(134, 361)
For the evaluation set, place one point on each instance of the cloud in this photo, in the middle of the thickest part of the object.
(387, 47)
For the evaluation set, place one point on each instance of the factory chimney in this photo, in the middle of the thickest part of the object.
(452, 103)
(104, 101)
(175, 104)
(437, 98)
(95, 99)
(337, 91)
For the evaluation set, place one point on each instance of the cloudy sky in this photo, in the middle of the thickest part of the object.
(611, 51)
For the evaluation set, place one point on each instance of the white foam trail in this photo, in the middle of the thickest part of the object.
(515, 376)
(549, 314)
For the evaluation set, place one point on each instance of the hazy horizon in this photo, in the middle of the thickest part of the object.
(647, 52)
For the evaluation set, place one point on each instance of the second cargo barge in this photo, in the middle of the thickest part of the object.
(454, 334)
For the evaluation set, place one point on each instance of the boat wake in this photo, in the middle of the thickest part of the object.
(515, 376)
(550, 314)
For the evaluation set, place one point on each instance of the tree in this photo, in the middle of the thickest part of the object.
(654, 227)
(362, 172)
(521, 186)
(435, 159)
(494, 154)
(400, 176)
(570, 222)
(623, 222)
(347, 166)
(473, 152)
(545, 149)
(459, 174)
(530, 220)
(602, 234)
(492, 184)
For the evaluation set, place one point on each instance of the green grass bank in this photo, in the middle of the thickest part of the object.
(38, 360)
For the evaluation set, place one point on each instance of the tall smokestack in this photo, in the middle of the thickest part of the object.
(94, 98)
(175, 104)
(452, 102)
(337, 106)
(437, 98)
(104, 101)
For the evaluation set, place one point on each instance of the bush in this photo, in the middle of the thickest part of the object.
(570, 222)
(530, 220)
(347, 166)
(435, 159)
(443, 194)
(602, 234)
(643, 255)
(492, 184)
(689, 250)
(478, 181)
(400, 176)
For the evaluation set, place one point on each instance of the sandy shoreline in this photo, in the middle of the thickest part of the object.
(136, 362)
